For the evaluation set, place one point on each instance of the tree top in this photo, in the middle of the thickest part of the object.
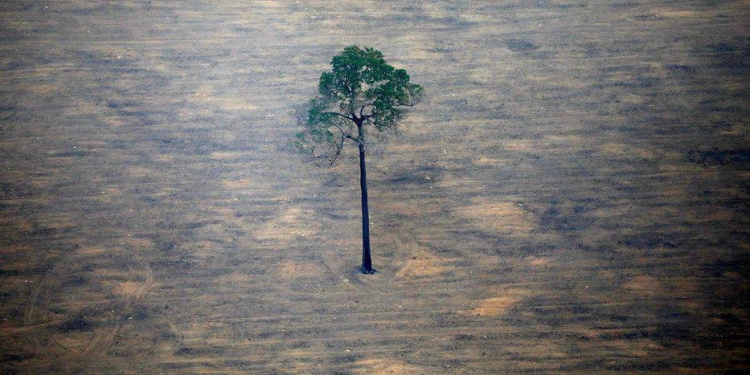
(363, 86)
(361, 89)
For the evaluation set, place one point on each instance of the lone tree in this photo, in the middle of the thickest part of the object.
(360, 93)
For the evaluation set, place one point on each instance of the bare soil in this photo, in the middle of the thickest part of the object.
(570, 198)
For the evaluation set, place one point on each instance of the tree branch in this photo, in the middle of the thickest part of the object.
(355, 139)
(338, 114)
(362, 110)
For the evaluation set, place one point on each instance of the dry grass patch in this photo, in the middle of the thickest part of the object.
(57, 221)
(640, 348)
(108, 195)
(499, 305)
(540, 350)
(139, 243)
(139, 172)
(498, 217)
(204, 251)
(235, 104)
(520, 145)
(43, 88)
(485, 161)
(90, 251)
(128, 288)
(226, 155)
(388, 367)
(539, 261)
(672, 13)
(644, 285)
(421, 264)
(290, 270)
(715, 215)
(625, 150)
(235, 278)
(76, 342)
(102, 272)
(237, 184)
(495, 306)
(289, 224)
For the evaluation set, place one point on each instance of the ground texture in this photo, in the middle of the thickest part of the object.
(570, 198)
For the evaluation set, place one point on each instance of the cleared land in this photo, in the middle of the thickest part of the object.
(572, 196)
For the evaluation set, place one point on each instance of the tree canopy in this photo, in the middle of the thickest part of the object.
(361, 89)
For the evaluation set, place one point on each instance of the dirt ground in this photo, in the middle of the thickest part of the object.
(570, 198)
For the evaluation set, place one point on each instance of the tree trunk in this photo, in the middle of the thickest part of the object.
(366, 258)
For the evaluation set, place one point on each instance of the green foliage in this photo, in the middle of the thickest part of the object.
(361, 89)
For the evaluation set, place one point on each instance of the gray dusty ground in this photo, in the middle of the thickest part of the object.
(571, 197)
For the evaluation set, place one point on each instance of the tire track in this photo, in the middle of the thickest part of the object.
(51, 335)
